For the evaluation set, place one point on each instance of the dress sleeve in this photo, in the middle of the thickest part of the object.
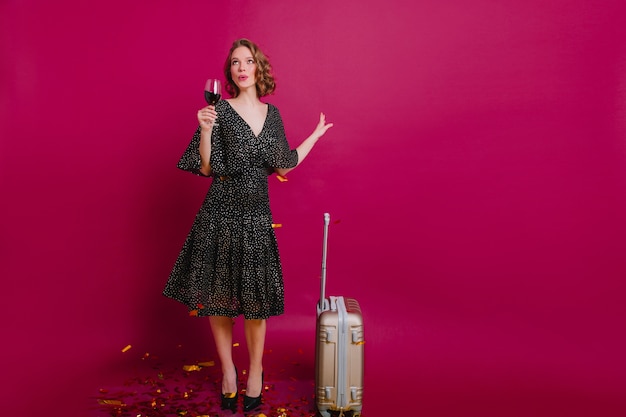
(190, 160)
(279, 154)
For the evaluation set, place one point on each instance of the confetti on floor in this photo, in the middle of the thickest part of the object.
(154, 389)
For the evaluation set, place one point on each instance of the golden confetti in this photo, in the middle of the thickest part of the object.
(236, 344)
(127, 348)
(190, 368)
(111, 402)
(209, 363)
(276, 225)
(281, 178)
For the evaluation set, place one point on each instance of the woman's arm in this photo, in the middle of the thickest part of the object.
(206, 118)
(205, 150)
(307, 144)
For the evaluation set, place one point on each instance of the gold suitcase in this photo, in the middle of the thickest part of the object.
(339, 359)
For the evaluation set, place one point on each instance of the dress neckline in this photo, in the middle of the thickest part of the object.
(246, 123)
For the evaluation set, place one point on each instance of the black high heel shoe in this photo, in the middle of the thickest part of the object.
(250, 403)
(229, 400)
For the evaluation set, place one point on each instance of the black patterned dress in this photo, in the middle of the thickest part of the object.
(229, 264)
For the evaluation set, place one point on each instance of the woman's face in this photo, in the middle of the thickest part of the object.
(243, 68)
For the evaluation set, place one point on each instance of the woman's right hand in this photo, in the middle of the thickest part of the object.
(207, 117)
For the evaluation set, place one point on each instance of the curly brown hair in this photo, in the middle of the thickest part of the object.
(265, 83)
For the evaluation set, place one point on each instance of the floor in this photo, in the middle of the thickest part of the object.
(184, 385)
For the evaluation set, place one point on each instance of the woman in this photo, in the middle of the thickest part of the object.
(229, 264)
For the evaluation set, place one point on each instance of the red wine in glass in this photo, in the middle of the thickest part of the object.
(212, 91)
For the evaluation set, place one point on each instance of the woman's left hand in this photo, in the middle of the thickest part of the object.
(322, 126)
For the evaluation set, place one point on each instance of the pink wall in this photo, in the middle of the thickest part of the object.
(477, 171)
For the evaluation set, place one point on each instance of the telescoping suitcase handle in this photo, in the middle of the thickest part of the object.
(324, 250)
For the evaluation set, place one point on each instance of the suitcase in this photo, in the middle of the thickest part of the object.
(339, 350)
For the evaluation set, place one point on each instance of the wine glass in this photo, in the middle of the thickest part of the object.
(212, 91)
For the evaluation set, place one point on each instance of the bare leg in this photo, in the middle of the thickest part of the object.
(255, 339)
(222, 328)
